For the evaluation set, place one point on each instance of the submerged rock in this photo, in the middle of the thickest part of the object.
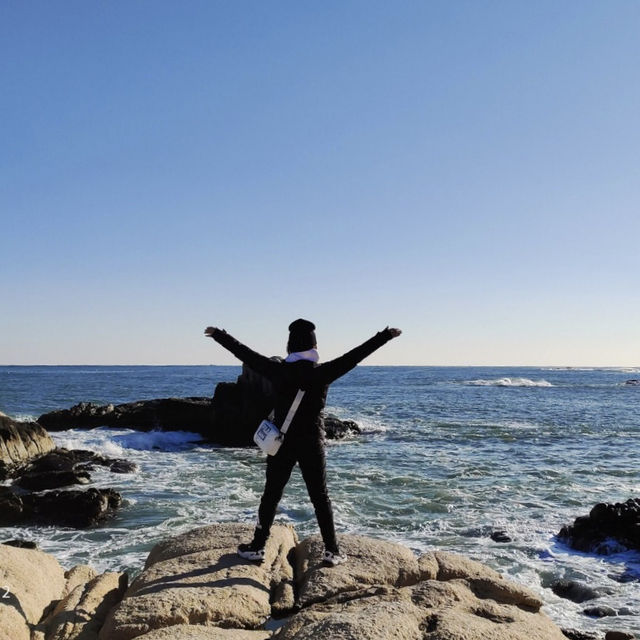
(574, 591)
(607, 528)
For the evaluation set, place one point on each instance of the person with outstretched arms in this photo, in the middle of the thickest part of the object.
(304, 440)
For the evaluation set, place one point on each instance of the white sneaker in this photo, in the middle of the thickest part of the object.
(250, 552)
(333, 559)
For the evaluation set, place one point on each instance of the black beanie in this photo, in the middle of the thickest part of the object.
(301, 336)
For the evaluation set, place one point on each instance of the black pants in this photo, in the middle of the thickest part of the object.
(311, 458)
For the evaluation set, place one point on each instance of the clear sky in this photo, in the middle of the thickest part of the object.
(467, 171)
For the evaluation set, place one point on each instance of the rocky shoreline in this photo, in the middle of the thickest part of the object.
(194, 586)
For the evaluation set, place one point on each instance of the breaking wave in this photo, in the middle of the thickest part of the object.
(509, 382)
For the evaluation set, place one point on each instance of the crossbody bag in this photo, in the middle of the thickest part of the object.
(268, 437)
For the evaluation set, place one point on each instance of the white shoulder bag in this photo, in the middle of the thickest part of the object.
(268, 437)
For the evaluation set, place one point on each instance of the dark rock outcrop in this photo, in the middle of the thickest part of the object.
(572, 634)
(228, 419)
(73, 508)
(574, 591)
(606, 529)
(189, 414)
(39, 481)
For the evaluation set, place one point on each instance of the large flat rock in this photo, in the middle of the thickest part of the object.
(429, 610)
(197, 578)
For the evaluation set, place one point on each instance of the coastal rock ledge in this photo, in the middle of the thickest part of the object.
(194, 587)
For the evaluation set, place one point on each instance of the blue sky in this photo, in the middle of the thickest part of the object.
(466, 171)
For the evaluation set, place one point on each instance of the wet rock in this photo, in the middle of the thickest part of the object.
(11, 507)
(572, 634)
(608, 528)
(22, 544)
(634, 382)
(627, 576)
(336, 429)
(123, 466)
(39, 481)
(73, 508)
(574, 591)
(500, 536)
(600, 611)
(618, 635)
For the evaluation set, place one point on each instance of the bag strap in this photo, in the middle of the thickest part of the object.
(292, 411)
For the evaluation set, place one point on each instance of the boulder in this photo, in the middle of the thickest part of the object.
(336, 429)
(197, 578)
(81, 613)
(607, 528)
(619, 635)
(370, 562)
(63, 467)
(39, 481)
(65, 460)
(81, 574)
(73, 508)
(485, 582)
(574, 591)
(430, 609)
(34, 579)
(19, 443)
(573, 634)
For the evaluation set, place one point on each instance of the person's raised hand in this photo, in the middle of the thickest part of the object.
(394, 332)
(209, 331)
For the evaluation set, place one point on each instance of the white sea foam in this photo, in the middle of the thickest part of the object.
(24, 417)
(115, 442)
(509, 382)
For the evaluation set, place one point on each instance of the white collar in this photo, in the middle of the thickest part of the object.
(310, 354)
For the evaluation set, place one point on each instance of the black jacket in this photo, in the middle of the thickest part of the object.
(313, 378)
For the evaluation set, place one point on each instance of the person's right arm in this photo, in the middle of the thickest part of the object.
(256, 361)
(332, 370)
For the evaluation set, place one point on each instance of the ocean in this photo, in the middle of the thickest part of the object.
(448, 456)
